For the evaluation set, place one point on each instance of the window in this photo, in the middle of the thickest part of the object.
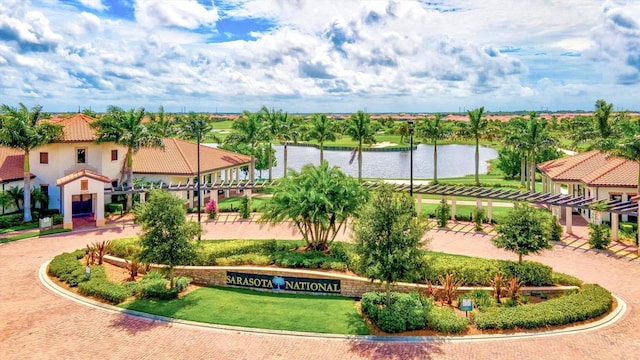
(84, 185)
(617, 197)
(81, 156)
(44, 158)
(114, 155)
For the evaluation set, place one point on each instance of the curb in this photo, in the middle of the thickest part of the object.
(608, 320)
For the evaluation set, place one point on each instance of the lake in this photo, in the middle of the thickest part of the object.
(453, 161)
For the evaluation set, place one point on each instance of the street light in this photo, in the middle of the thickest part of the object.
(198, 124)
(411, 123)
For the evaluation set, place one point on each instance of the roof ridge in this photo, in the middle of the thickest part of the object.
(182, 155)
(593, 154)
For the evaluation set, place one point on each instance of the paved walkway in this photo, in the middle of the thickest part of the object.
(35, 323)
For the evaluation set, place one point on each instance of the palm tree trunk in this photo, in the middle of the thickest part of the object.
(435, 162)
(533, 173)
(477, 163)
(520, 258)
(26, 202)
(523, 169)
(269, 159)
(360, 161)
(321, 152)
(285, 159)
(130, 178)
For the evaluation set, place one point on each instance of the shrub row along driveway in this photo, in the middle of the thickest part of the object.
(35, 323)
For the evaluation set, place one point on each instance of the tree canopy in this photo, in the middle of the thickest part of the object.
(318, 200)
(388, 237)
(167, 237)
(526, 230)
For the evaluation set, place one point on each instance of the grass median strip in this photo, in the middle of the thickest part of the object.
(258, 309)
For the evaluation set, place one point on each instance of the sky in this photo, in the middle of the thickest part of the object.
(320, 55)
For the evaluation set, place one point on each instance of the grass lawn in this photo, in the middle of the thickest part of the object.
(257, 203)
(31, 225)
(258, 309)
(31, 234)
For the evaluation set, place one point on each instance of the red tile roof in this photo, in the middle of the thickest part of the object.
(11, 164)
(593, 168)
(180, 157)
(82, 173)
(76, 128)
(573, 168)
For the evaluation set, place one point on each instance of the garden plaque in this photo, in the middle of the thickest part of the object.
(286, 283)
(466, 305)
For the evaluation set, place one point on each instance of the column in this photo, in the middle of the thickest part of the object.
(67, 221)
(614, 226)
(569, 216)
(453, 208)
(99, 208)
(143, 197)
(419, 196)
(227, 179)
(489, 210)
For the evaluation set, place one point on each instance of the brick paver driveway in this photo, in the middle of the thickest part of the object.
(37, 324)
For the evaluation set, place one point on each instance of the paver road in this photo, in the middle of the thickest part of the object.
(38, 324)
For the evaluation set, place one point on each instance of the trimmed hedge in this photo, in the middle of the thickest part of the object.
(101, 287)
(67, 268)
(476, 271)
(444, 319)
(566, 279)
(592, 301)
(405, 311)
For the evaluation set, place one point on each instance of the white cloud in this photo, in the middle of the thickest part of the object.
(187, 14)
(93, 4)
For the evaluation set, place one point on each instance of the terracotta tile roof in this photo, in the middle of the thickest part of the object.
(180, 157)
(11, 164)
(82, 173)
(573, 168)
(617, 172)
(76, 128)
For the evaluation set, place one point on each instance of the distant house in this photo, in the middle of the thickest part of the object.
(595, 175)
(75, 171)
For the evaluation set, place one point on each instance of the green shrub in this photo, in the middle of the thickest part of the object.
(444, 319)
(529, 272)
(592, 301)
(405, 311)
(57, 219)
(565, 279)
(124, 248)
(157, 289)
(345, 253)
(244, 259)
(478, 217)
(211, 250)
(181, 283)
(104, 289)
(68, 268)
(443, 213)
(113, 208)
(481, 299)
(245, 207)
(599, 236)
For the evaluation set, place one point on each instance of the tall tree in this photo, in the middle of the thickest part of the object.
(290, 130)
(432, 130)
(21, 128)
(189, 126)
(125, 128)
(514, 137)
(273, 121)
(598, 131)
(388, 237)
(162, 124)
(319, 200)
(17, 195)
(167, 237)
(248, 129)
(322, 129)
(537, 139)
(361, 130)
(474, 130)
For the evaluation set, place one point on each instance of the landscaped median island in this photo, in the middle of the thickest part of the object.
(503, 294)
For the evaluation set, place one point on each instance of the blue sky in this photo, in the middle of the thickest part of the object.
(320, 56)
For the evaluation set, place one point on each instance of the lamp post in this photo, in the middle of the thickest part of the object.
(411, 123)
(198, 124)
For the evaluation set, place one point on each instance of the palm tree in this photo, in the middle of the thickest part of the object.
(16, 193)
(248, 129)
(536, 139)
(289, 131)
(125, 128)
(188, 128)
(273, 125)
(432, 130)
(161, 124)
(322, 129)
(514, 137)
(474, 130)
(5, 200)
(598, 131)
(360, 130)
(22, 129)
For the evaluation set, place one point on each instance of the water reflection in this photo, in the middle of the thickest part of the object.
(453, 161)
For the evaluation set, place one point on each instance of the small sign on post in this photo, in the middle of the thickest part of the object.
(45, 223)
(466, 305)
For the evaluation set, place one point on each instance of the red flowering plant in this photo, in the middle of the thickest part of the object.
(211, 208)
